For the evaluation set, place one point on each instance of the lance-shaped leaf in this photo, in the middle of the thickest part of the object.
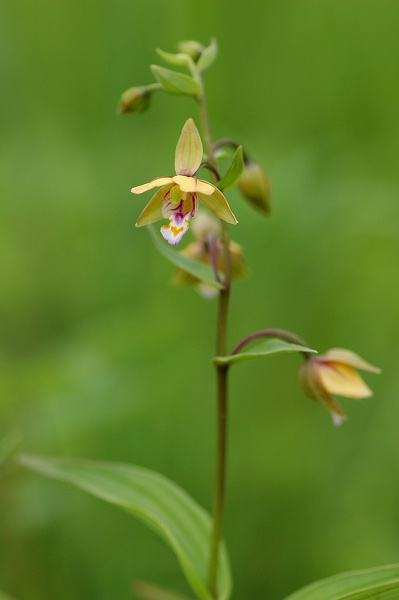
(367, 584)
(197, 268)
(149, 591)
(174, 82)
(234, 171)
(208, 56)
(4, 596)
(156, 501)
(261, 348)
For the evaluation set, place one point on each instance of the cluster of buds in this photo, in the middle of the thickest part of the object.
(208, 248)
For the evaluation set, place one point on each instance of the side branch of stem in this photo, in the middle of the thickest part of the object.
(282, 334)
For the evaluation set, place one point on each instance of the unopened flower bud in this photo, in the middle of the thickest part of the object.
(192, 48)
(134, 100)
(255, 187)
(239, 267)
(333, 373)
(205, 225)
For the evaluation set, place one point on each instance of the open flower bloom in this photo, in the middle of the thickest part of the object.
(177, 198)
(333, 373)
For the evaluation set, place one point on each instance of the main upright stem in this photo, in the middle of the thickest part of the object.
(222, 399)
(221, 375)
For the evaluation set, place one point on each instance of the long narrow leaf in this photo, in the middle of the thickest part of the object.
(8, 444)
(155, 500)
(149, 591)
(4, 596)
(367, 584)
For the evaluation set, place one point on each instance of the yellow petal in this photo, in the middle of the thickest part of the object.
(218, 204)
(153, 210)
(341, 355)
(343, 380)
(193, 185)
(313, 387)
(318, 392)
(188, 155)
(158, 182)
(203, 187)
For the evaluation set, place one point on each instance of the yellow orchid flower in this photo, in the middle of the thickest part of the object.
(334, 373)
(177, 198)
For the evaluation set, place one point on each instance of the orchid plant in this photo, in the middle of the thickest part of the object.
(209, 263)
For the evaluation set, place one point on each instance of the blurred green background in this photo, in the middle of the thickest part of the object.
(101, 357)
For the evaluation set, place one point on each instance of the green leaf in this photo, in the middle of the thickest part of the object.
(149, 591)
(196, 268)
(263, 347)
(234, 171)
(208, 56)
(180, 59)
(153, 499)
(367, 584)
(8, 444)
(174, 82)
(4, 596)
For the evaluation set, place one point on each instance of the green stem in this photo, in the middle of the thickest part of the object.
(222, 398)
(234, 144)
(221, 377)
(206, 127)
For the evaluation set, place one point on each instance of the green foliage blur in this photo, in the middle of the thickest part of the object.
(101, 357)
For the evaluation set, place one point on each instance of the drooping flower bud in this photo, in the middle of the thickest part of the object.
(134, 100)
(333, 373)
(255, 187)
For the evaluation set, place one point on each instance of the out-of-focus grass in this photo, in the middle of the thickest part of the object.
(101, 357)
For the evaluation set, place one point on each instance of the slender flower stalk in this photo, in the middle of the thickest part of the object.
(221, 376)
